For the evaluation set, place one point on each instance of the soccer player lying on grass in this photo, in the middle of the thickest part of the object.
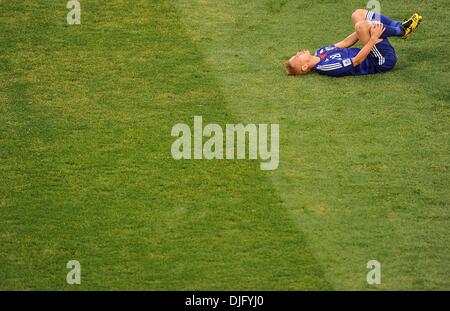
(376, 56)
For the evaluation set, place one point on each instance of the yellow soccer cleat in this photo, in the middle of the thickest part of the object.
(411, 24)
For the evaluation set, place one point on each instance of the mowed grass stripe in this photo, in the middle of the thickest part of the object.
(85, 159)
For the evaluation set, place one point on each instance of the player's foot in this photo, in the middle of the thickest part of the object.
(411, 24)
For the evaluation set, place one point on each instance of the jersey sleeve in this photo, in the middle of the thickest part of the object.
(336, 68)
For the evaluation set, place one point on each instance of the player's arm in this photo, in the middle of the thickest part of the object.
(348, 42)
(375, 34)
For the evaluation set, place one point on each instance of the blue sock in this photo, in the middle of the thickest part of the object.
(392, 31)
(393, 28)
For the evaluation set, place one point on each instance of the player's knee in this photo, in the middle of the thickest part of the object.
(359, 15)
(362, 26)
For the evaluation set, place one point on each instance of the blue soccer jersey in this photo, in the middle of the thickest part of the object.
(337, 62)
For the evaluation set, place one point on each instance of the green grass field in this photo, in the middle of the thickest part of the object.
(87, 173)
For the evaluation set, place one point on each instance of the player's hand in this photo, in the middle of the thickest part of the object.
(377, 30)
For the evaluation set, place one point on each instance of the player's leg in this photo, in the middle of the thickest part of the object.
(396, 28)
(393, 28)
(414, 21)
(362, 14)
(383, 54)
(362, 29)
(386, 21)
